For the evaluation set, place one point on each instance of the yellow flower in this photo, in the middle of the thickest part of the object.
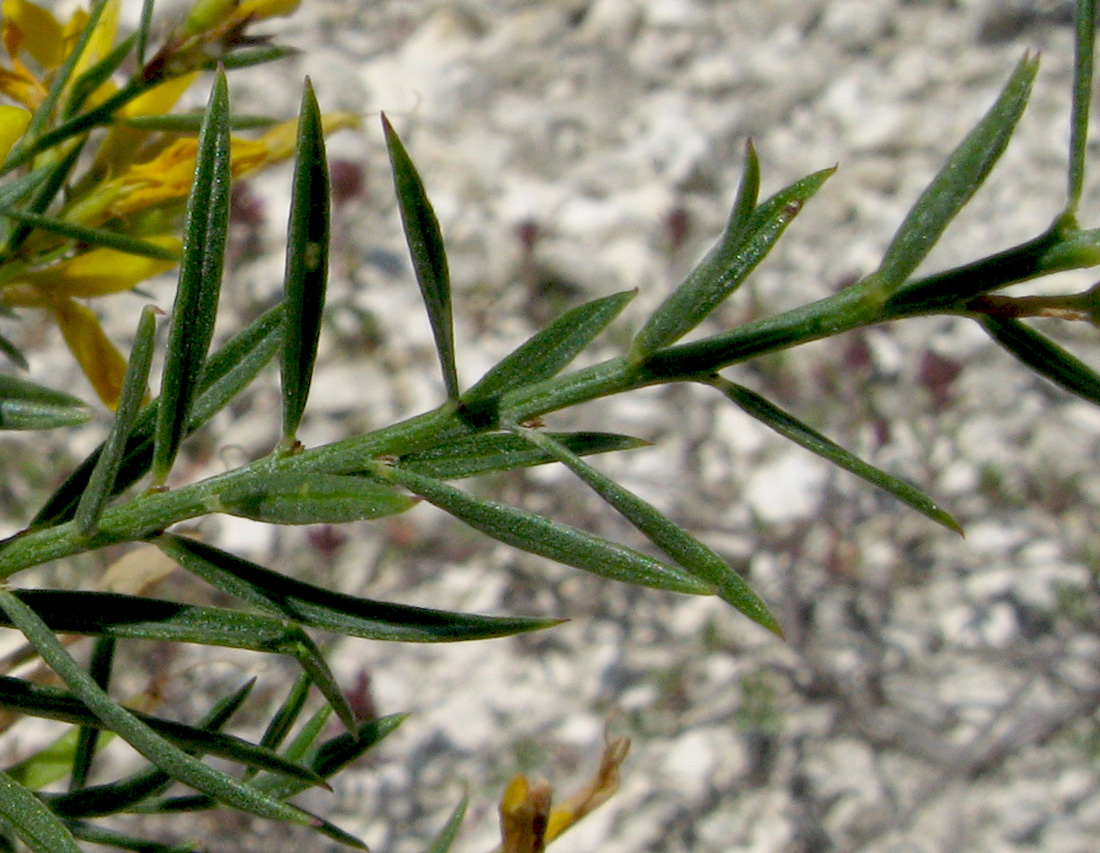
(527, 821)
(96, 272)
(13, 123)
(167, 177)
(207, 15)
(30, 30)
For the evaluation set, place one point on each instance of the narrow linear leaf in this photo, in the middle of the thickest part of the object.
(429, 257)
(805, 436)
(50, 763)
(92, 236)
(698, 559)
(32, 821)
(192, 122)
(446, 837)
(501, 451)
(53, 704)
(1044, 356)
(113, 797)
(306, 263)
(326, 759)
(307, 736)
(332, 756)
(118, 616)
(287, 715)
(226, 373)
(200, 277)
(1084, 47)
(13, 354)
(101, 483)
(307, 498)
(748, 191)
(86, 84)
(254, 56)
(45, 192)
(113, 839)
(163, 753)
(966, 169)
(145, 27)
(24, 405)
(547, 352)
(112, 614)
(744, 244)
(333, 611)
(99, 668)
(548, 538)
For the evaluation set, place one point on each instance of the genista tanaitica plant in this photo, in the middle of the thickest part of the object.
(104, 186)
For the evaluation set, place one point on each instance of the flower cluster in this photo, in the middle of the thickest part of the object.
(86, 212)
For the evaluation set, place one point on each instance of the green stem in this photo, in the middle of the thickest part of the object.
(860, 305)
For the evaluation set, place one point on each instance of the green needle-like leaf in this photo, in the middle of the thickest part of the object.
(13, 354)
(226, 373)
(332, 756)
(429, 257)
(114, 797)
(966, 169)
(287, 714)
(145, 27)
(446, 837)
(199, 282)
(44, 194)
(548, 538)
(24, 405)
(748, 192)
(90, 80)
(101, 483)
(113, 839)
(743, 245)
(801, 434)
(254, 56)
(306, 263)
(545, 354)
(103, 655)
(1044, 356)
(32, 821)
(485, 453)
(1084, 47)
(138, 734)
(91, 236)
(54, 704)
(50, 763)
(333, 611)
(192, 122)
(676, 542)
(292, 498)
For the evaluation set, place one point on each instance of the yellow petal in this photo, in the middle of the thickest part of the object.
(268, 8)
(159, 99)
(22, 86)
(123, 144)
(593, 795)
(98, 272)
(34, 30)
(13, 123)
(102, 40)
(207, 14)
(101, 362)
(524, 810)
(168, 175)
